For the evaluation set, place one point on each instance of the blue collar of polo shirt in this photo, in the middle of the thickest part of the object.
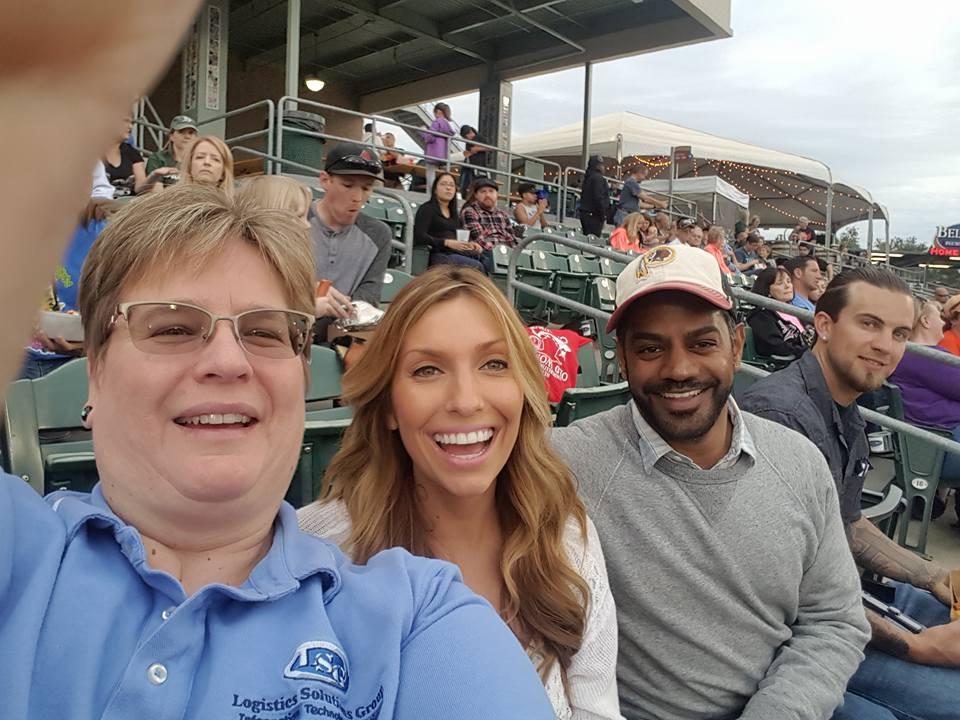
(293, 556)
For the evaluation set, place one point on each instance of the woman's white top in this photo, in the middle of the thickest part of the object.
(592, 676)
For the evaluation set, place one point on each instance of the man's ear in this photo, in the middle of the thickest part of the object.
(739, 339)
(823, 324)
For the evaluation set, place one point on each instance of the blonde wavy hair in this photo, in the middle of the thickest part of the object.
(276, 192)
(226, 182)
(535, 495)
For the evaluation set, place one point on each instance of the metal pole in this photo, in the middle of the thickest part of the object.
(293, 48)
(886, 235)
(870, 229)
(829, 218)
(587, 93)
(673, 168)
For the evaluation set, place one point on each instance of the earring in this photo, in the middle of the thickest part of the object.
(85, 413)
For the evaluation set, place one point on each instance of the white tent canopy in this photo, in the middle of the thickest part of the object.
(781, 186)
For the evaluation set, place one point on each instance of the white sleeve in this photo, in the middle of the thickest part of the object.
(592, 676)
(101, 184)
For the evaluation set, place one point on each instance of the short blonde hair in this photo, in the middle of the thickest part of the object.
(226, 182)
(180, 230)
(715, 235)
(276, 192)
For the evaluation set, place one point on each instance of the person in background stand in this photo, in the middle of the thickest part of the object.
(594, 198)
(45, 354)
(124, 164)
(473, 155)
(951, 333)
(488, 224)
(531, 210)
(775, 332)
(436, 225)
(436, 145)
(164, 162)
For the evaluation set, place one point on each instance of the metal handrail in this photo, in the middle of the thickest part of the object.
(144, 104)
(406, 245)
(513, 285)
(771, 304)
(567, 188)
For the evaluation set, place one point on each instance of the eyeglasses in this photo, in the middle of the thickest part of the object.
(166, 328)
(357, 163)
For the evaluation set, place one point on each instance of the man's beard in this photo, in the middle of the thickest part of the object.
(866, 382)
(682, 426)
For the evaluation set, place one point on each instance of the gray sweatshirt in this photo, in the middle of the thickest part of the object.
(736, 593)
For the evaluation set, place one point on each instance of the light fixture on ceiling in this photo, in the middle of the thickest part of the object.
(313, 83)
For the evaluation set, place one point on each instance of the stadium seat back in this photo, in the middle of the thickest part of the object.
(918, 465)
(45, 441)
(578, 403)
(321, 440)
(393, 282)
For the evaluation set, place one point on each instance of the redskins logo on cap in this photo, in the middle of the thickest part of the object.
(662, 255)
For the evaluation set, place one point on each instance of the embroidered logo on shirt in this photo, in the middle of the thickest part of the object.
(319, 660)
(657, 256)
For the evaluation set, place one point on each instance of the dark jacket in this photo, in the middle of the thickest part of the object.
(431, 228)
(772, 335)
(595, 194)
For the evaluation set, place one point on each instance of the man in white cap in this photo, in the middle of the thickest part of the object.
(736, 596)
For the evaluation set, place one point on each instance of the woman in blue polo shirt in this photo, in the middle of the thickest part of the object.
(181, 586)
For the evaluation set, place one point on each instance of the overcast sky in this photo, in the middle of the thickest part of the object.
(872, 88)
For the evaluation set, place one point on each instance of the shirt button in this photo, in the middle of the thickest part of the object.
(168, 612)
(157, 674)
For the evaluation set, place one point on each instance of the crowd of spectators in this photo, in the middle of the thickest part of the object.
(682, 555)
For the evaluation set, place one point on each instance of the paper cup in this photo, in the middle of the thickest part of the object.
(463, 235)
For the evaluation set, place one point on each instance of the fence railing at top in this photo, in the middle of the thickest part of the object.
(514, 285)
(846, 261)
(448, 162)
(689, 205)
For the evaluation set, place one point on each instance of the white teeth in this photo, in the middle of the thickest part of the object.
(215, 419)
(475, 436)
(688, 394)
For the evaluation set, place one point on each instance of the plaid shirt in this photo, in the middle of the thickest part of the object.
(487, 227)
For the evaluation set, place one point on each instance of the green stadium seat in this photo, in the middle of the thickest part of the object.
(375, 210)
(584, 265)
(572, 285)
(587, 374)
(393, 282)
(541, 245)
(611, 268)
(603, 293)
(321, 440)
(918, 465)
(46, 444)
(578, 403)
(565, 250)
(421, 259)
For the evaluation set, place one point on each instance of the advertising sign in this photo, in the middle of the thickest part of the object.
(946, 241)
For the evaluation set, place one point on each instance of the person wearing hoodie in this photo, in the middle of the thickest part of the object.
(594, 197)
(435, 144)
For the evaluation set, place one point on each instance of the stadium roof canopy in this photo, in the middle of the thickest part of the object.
(781, 186)
(399, 52)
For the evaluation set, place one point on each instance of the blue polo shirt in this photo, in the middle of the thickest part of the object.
(89, 630)
(803, 303)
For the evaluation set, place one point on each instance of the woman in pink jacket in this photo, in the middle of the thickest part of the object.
(435, 147)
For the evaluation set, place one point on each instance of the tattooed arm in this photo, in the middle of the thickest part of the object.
(874, 551)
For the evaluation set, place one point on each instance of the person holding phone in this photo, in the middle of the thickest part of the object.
(532, 208)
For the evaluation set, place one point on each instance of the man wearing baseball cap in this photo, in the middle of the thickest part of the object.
(735, 594)
(351, 250)
(165, 161)
(488, 224)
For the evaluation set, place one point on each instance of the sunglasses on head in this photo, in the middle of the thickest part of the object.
(357, 163)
